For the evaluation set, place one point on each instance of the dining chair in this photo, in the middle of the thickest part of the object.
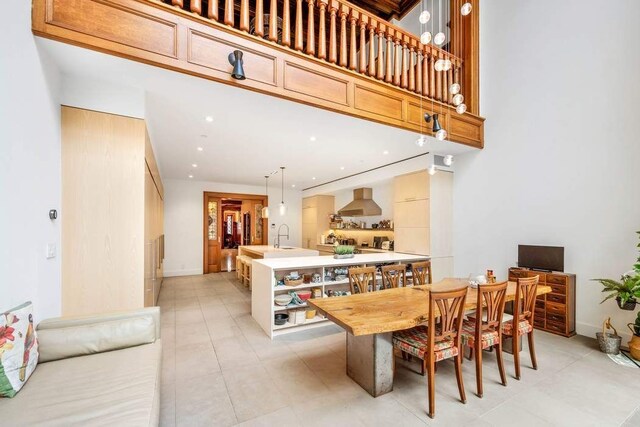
(421, 273)
(522, 321)
(486, 333)
(439, 340)
(361, 278)
(394, 276)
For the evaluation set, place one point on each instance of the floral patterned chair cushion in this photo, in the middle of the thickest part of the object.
(524, 327)
(414, 341)
(18, 349)
(489, 338)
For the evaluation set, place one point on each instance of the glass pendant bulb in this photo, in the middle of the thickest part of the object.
(432, 170)
(461, 109)
(454, 88)
(441, 135)
(439, 65)
(447, 160)
(439, 38)
(446, 66)
(458, 99)
(282, 209)
(421, 141)
(424, 17)
(465, 9)
(425, 38)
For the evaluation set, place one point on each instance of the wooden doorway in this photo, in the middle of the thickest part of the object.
(231, 220)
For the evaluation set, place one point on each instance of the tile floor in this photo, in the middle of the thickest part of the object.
(220, 369)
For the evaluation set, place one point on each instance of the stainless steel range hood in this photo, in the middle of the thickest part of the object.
(362, 204)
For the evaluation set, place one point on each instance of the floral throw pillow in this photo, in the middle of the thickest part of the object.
(18, 348)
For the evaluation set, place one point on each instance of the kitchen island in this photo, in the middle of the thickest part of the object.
(326, 277)
(266, 251)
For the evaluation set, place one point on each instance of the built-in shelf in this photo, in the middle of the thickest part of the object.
(362, 229)
(316, 319)
(288, 307)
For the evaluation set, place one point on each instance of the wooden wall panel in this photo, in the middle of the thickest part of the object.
(314, 83)
(102, 212)
(150, 158)
(462, 129)
(379, 103)
(116, 23)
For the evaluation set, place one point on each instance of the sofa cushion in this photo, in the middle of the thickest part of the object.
(18, 349)
(114, 388)
(81, 340)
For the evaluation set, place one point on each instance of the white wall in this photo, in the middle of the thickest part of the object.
(560, 165)
(99, 95)
(29, 167)
(410, 23)
(183, 220)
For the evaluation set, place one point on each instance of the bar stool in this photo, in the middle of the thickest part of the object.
(239, 266)
(394, 276)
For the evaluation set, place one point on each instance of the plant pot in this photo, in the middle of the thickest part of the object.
(634, 347)
(629, 305)
(345, 256)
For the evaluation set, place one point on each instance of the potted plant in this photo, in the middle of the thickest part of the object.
(344, 251)
(634, 344)
(627, 290)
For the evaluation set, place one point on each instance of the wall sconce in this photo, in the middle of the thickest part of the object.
(235, 59)
(436, 123)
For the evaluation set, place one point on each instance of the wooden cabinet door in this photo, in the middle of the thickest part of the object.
(213, 234)
(412, 241)
(414, 213)
(149, 243)
(413, 186)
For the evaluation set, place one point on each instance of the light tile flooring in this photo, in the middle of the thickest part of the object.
(220, 369)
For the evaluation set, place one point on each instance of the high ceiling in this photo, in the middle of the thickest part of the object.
(250, 134)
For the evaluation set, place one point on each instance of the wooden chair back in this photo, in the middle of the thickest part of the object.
(524, 304)
(421, 273)
(448, 324)
(490, 307)
(360, 278)
(394, 276)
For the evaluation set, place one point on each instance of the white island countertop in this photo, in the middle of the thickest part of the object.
(267, 251)
(329, 261)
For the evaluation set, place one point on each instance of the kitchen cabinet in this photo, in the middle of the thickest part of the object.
(112, 204)
(423, 218)
(315, 218)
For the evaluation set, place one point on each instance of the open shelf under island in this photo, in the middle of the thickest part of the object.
(267, 275)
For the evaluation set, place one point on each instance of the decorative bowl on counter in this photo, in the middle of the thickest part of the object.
(292, 282)
(283, 299)
(304, 295)
(280, 318)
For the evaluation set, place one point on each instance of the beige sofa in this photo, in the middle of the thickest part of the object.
(98, 370)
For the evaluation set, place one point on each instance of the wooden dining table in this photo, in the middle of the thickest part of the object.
(371, 318)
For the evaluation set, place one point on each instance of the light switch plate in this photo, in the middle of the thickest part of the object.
(51, 250)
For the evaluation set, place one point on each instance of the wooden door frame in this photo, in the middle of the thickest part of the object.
(205, 218)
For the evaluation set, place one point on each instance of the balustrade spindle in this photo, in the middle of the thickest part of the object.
(412, 66)
(177, 3)
(391, 56)
(419, 75)
(445, 85)
(397, 52)
(258, 23)
(333, 43)
(373, 25)
(286, 24)
(456, 74)
(244, 15)
(405, 66)
(449, 83)
(432, 74)
(380, 70)
(212, 10)
(344, 12)
(196, 6)
(438, 95)
(228, 12)
(299, 32)
(353, 46)
(322, 33)
(273, 21)
(364, 20)
(311, 33)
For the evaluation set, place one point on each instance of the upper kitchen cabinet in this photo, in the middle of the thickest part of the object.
(112, 214)
(315, 219)
(413, 186)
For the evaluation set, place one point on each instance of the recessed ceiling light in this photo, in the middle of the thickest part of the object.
(293, 186)
(341, 168)
(385, 152)
(313, 138)
(313, 178)
(200, 148)
(203, 136)
(193, 165)
(190, 176)
(209, 119)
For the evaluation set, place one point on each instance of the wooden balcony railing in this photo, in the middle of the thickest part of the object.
(343, 34)
(325, 53)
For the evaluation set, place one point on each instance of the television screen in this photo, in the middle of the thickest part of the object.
(549, 258)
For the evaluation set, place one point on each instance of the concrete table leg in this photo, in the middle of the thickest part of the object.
(370, 362)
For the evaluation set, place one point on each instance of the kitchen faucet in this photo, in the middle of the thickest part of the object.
(276, 241)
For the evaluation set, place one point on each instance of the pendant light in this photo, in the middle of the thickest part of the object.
(466, 9)
(265, 209)
(282, 209)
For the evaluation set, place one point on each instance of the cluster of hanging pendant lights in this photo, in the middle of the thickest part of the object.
(441, 65)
